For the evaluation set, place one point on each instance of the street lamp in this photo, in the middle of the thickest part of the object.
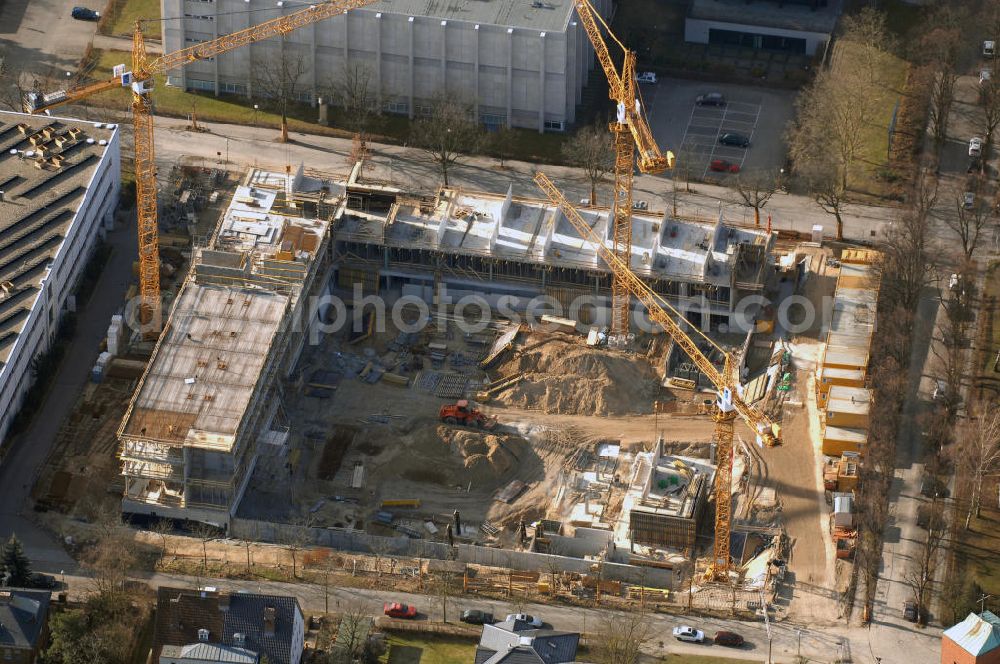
(256, 107)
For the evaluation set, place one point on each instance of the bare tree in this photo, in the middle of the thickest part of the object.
(869, 31)
(277, 79)
(161, 528)
(591, 149)
(989, 94)
(754, 189)
(445, 588)
(621, 636)
(205, 534)
(355, 88)
(352, 634)
(979, 455)
(297, 538)
(827, 185)
(906, 262)
(922, 567)
(968, 223)
(447, 132)
(942, 96)
(501, 140)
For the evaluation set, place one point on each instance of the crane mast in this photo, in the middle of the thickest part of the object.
(140, 81)
(630, 135)
(728, 403)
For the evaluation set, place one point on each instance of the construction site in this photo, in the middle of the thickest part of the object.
(486, 379)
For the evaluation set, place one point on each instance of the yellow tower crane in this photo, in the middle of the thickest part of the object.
(140, 81)
(728, 403)
(631, 134)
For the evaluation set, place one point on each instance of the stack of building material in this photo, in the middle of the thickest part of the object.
(116, 334)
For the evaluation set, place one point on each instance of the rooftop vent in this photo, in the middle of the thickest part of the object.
(239, 639)
(203, 635)
(102, 142)
(23, 128)
(90, 141)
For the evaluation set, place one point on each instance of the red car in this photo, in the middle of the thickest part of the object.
(397, 610)
(723, 166)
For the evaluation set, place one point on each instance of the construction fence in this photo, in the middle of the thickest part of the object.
(527, 561)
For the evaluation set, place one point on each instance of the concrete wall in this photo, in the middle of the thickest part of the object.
(93, 218)
(696, 30)
(516, 76)
(346, 540)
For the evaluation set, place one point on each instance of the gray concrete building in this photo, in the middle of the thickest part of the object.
(798, 27)
(520, 63)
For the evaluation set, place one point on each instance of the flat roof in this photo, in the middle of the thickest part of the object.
(46, 167)
(551, 15)
(861, 276)
(787, 15)
(845, 356)
(533, 230)
(859, 436)
(843, 374)
(845, 399)
(206, 365)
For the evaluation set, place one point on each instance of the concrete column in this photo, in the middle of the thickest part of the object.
(215, 61)
(347, 50)
(378, 58)
(475, 83)
(412, 72)
(182, 72)
(510, 74)
(444, 57)
(541, 83)
(315, 63)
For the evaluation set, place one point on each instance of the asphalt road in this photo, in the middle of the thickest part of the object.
(822, 644)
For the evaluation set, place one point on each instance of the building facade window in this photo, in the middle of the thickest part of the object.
(198, 84)
(400, 107)
(555, 125)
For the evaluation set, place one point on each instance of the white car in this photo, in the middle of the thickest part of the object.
(646, 77)
(985, 75)
(525, 618)
(989, 48)
(968, 200)
(689, 634)
(975, 147)
(640, 205)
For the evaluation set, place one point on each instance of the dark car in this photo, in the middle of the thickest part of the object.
(84, 14)
(910, 611)
(710, 99)
(932, 486)
(44, 581)
(728, 639)
(735, 140)
(476, 617)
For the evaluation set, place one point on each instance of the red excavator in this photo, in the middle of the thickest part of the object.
(467, 414)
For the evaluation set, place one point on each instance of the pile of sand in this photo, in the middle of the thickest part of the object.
(455, 456)
(568, 377)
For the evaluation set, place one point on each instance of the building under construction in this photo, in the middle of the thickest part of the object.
(189, 438)
(396, 242)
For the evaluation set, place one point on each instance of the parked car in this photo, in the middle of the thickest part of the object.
(941, 387)
(910, 610)
(477, 617)
(646, 77)
(930, 516)
(44, 581)
(723, 166)
(710, 99)
(975, 147)
(989, 48)
(733, 139)
(689, 634)
(640, 205)
(969, 200)
(728, 639)
(985, 74)
(399, 610)
(524, 617)
(931, 486)
(85, 14)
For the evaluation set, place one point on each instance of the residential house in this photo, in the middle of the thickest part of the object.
(975, 640)
(202, 626)
(516, 642)
(24, 624)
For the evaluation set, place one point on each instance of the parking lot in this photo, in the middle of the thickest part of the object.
(693, 131)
